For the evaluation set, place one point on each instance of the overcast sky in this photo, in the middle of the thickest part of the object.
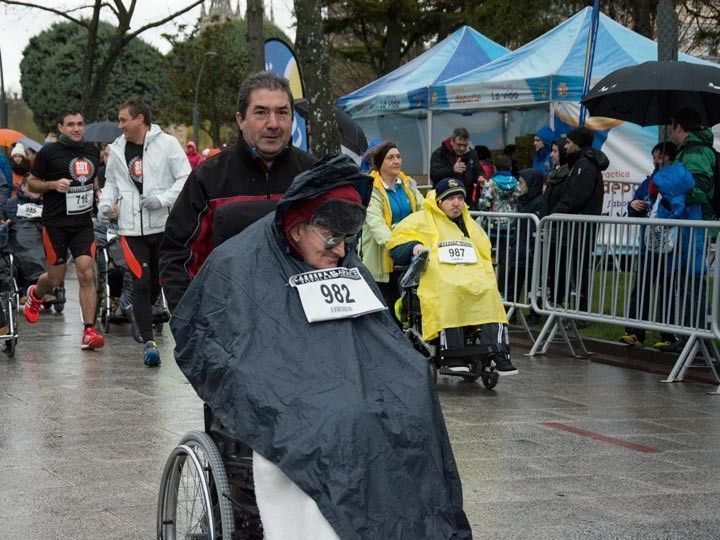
(18, 25)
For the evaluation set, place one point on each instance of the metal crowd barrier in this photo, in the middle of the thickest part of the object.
(514, 244)
(641, 273)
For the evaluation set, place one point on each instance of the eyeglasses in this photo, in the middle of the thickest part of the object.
(334, 241)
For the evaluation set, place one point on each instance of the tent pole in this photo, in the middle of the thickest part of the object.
(428, 154)
(504, 128)
(551, 121)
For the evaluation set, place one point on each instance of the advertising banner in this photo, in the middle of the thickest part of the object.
(280, 59)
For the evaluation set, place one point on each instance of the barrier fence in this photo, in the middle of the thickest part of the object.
(639, 273)
(513, 239)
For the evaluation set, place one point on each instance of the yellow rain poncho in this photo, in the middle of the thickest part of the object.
(451, 295)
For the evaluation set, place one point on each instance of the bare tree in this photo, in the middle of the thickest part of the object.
(700, 27)
(312, 52)
(94, 79)
(255, 41)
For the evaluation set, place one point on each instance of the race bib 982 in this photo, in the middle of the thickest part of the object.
(335, 293)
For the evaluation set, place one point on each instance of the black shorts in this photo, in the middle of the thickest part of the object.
(57, 240)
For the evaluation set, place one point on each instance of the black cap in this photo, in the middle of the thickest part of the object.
(448, 186)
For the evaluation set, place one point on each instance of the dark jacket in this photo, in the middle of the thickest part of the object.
(530, 202)
(361, 435)
(443, 159)
(236, 175)
(556, 185)
(584, 190)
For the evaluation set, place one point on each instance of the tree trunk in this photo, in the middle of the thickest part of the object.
(312, 53)
(255, 41)
(643, 18)
(87, 109)
(393, 40)
(215, 134)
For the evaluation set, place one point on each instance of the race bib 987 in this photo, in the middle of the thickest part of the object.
(335, 293)
(456, 252)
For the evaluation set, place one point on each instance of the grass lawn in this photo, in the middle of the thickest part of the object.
(619, 283)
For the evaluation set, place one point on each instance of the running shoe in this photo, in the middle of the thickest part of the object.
(92, 340)
(503, 366)
(32, 306)
(151, 355)
(630, 339)
(675, 346)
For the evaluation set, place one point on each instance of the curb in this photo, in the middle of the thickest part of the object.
(610, 353)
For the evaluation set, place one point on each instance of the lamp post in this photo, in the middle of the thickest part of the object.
(195, 111)
(3, 101)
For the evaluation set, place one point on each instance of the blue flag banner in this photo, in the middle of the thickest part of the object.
(280, 59)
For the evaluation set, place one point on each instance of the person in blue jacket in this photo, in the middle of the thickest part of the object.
(663, 154)
(542, 142)
(6, 170)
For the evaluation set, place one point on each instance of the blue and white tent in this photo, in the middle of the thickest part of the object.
(406, 87)
(549, 68)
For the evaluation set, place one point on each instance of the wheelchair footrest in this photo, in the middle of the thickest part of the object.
(473, 350)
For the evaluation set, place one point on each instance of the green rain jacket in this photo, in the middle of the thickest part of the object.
(699, 159)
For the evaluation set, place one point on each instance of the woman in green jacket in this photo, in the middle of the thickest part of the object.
(395, 196)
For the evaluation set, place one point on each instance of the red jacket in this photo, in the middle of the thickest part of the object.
(234, 175)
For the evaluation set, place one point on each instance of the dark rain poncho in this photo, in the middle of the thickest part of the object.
(346, 409)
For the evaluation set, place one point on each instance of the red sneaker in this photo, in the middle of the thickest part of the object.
(92, 340)
(32, 306)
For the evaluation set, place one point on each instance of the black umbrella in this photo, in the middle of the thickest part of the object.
(102, 132)
(649, 93)
(351, 134)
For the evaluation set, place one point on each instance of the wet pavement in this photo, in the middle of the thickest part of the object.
(567, 449)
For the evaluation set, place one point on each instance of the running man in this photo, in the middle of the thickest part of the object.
(64, 173)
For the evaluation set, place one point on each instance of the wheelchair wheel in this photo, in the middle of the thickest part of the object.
(489, 380)
(11, 318)
(9, 348)
(194, 491)
(433, 372)
(60, 296)
(104, 321)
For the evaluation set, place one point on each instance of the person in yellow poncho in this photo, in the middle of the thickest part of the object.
(458, 288)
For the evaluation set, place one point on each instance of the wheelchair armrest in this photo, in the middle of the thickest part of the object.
(411, 277)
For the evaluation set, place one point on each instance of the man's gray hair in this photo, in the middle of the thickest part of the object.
(460, 133)
(261, 80)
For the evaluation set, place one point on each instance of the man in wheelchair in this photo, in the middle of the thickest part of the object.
(460, 304)
(284, 335)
